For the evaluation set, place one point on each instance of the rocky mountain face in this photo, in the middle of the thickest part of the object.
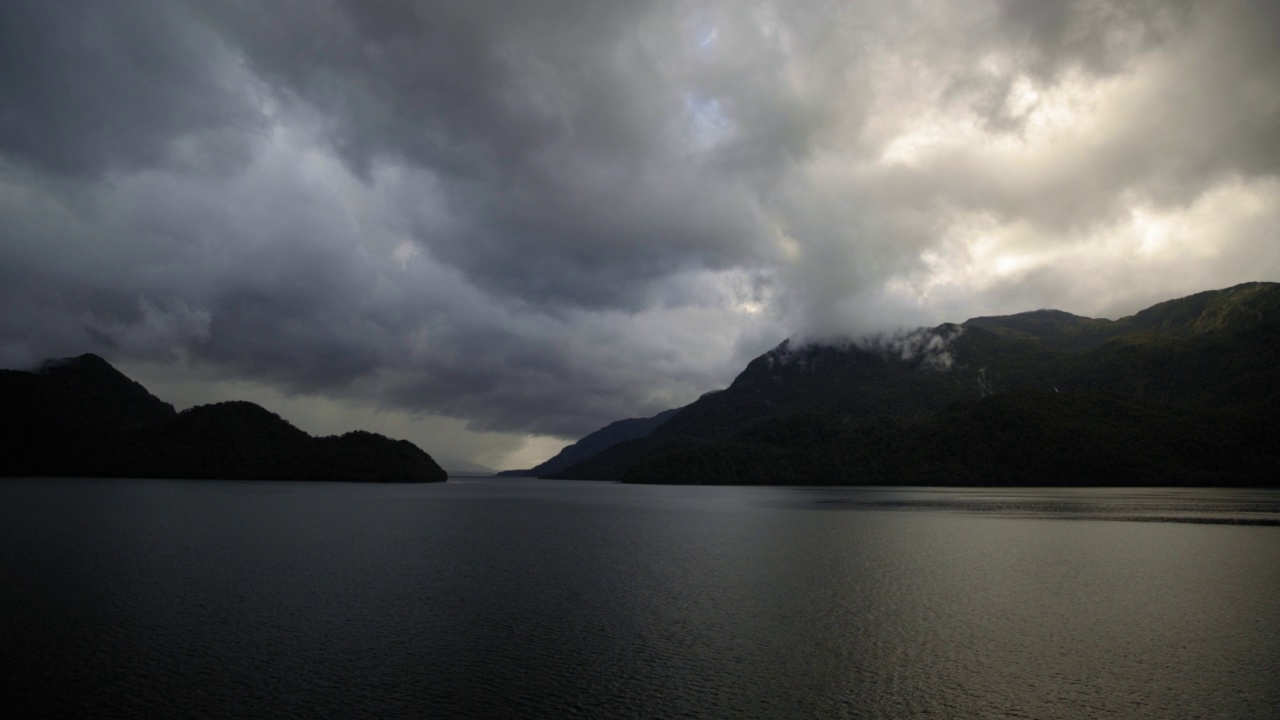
(82, 417)
(1184, 392)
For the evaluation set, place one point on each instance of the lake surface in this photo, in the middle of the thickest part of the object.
(525, 598)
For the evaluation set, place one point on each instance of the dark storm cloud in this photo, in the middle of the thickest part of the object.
(85, 86)
(294, 273)
(558, 131)
(463, 88)
(540, 217)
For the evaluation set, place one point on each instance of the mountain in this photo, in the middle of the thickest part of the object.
(1184, 392)
(82, 417)
(595, 443)
(1013, 438)
(61, 418)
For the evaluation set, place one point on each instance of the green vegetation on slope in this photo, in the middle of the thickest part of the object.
(1015, 438)
(1181, 393)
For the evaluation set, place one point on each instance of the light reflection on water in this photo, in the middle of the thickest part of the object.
(511, 598)
(1234, 506)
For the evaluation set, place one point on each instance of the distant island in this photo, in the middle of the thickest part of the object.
(1185, 393)
(81, 417)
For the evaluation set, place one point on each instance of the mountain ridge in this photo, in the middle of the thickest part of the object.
(1207, 356)
(82, 417)
(594, 443)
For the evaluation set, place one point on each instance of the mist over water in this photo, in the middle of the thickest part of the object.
(512, 598)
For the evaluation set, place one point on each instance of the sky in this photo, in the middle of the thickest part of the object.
(492, 227)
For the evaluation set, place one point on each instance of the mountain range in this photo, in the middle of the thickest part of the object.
(82, 417)
(1182, 393)
(1186, 392)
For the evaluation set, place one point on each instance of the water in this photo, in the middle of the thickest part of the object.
(511, 598)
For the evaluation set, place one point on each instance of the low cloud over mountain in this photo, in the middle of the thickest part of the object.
(502, 221)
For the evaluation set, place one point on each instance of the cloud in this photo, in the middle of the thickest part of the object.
(86, 87)
(305, 285)
(532, 219)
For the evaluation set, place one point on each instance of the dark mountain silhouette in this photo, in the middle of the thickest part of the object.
(595, 443)
(82, 417)
(62, 418)
(1184, 392)
(1021, 437)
